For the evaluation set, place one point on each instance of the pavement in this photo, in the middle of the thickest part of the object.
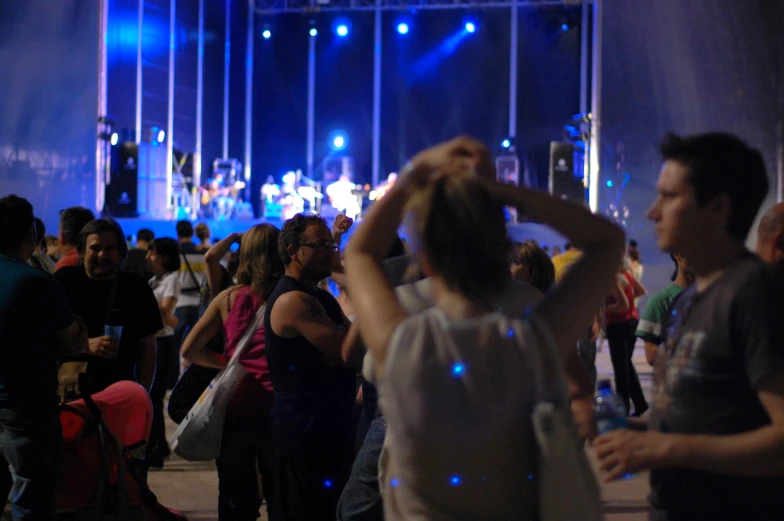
(192, 488)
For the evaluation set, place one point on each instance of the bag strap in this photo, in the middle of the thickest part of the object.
(544, 355)
(190, 270)
(245, 340)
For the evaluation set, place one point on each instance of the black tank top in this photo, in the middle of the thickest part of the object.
(295, 365)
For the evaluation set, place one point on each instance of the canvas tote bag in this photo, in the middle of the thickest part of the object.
(198, 438)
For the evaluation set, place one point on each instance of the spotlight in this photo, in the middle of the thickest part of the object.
(470, 27)
(313, 31)
(565, 27)
(267, 34)
(161, 136)
(609, 183)
(342, 30)
(114, 139)
(338, 140)
(506, 143)
(402, 28)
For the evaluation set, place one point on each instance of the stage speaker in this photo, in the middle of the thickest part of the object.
(563, 182)
(123, 189)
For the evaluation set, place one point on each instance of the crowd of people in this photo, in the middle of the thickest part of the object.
(410, 396)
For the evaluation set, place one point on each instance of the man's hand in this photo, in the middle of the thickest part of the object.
(460, 153)
(624, 451)
(103, 346)
(341, 225)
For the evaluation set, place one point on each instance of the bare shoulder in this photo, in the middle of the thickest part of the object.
(296, 304)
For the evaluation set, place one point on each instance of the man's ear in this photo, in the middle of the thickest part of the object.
(721, 206)
(292, 251)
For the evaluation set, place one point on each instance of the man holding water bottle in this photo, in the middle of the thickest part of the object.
(715, 438)
(118, 308)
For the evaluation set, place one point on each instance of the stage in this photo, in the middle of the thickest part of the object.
(221, 228)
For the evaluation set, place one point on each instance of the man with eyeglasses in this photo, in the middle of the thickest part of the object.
(314, 392)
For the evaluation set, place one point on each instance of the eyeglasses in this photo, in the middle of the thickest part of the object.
(323, 245)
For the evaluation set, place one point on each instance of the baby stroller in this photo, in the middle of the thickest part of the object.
(104, 439)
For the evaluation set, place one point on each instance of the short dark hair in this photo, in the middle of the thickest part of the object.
(145, 235)
(184, 229)
(72, 220)
(721, 163)
(567, 246)
(16, 218)
(100, 226)
(292, 232)
(537, 261)
(169, 248)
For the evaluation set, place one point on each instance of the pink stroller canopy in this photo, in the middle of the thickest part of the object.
(126, 409)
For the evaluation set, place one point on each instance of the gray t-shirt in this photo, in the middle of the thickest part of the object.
(723, 343)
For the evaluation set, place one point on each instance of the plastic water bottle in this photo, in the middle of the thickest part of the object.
(609, 412)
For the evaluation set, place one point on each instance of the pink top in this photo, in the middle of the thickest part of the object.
(254, 394)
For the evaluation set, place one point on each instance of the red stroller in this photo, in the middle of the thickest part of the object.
(104, 439)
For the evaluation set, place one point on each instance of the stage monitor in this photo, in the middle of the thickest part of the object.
(563, 182)
(122, 189)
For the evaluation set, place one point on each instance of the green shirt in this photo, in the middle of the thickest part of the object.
(651, 326)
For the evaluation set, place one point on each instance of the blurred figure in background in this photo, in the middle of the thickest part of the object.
(203, 234)
(136, 259)
(531, 264)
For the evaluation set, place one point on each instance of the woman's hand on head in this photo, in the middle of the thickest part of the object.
(459, 154)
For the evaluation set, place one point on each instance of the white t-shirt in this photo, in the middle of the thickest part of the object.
(517, 298)
(166, 286)
(458, 397)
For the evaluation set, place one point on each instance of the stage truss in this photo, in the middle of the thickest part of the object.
(267, 7)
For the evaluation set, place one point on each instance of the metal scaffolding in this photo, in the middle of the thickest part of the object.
(267, 7)
(314, 7)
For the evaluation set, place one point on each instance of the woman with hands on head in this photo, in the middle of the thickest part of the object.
(246, 439)
(455, 378)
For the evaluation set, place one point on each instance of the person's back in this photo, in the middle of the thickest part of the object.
(255, 391)
(32, 308)
(459, 380)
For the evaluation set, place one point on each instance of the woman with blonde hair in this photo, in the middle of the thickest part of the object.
(246, 440)
(456, 381)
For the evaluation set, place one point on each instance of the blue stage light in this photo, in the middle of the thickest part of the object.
(313, 31)
(338, 140)
(267, 34)
(506, 143)
(565, 27)
(342, 30)
(609, 183)
(470, 27)
(402, 28)
(161, 136)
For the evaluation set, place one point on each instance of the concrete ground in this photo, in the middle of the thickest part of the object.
(193, 487)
